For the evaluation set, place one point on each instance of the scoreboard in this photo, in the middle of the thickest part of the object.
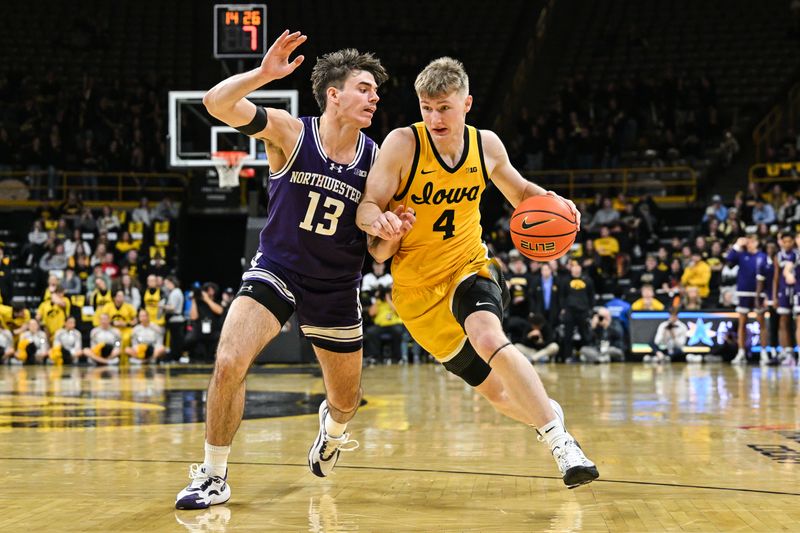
(240, 30)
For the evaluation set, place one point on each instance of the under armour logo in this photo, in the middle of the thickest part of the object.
(246, 288)
(337, 168)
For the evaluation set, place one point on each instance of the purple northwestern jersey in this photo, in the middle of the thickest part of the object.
(311, 228)
(749, 265)
(766, 274)
(785, 258)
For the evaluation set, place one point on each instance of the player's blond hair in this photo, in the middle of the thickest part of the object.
(333, 69)
(441, 77)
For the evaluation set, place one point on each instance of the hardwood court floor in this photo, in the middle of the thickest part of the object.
(702, 448)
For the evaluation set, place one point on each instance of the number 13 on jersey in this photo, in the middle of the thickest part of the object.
(330, 216)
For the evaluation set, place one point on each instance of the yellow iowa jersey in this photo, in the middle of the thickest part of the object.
(125, 312)
(150, 299)
(447, 234)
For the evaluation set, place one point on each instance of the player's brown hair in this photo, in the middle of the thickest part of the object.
(333, 69)
(441, 77)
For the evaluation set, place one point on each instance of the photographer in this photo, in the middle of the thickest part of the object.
(538, 343)
(671, 337)
(206, 316)
(386, 325)
(608, 343)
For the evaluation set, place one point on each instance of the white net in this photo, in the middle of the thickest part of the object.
(229, 165)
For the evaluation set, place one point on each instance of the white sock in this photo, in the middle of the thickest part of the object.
(216, 461)
(333, 428)
(553, 432)
(740, 352)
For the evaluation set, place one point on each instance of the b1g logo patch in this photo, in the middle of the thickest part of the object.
(539, 246)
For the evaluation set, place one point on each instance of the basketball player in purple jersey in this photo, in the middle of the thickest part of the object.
(310, 253)
(748, 257)
(786, 260)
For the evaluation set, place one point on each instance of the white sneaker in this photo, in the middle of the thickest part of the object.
(647, 358)
(694, 358)
(740, 359)
(204, 490)
(576, 469)
(324, 453)
(764, 359)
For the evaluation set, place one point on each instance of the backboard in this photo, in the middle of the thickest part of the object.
(194, 134)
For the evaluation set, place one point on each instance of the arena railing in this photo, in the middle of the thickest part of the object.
(768, 174)
(25, 188)
(667, 185)
(775, 123)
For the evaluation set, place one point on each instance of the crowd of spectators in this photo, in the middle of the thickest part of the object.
(589, 126)
(106, 288)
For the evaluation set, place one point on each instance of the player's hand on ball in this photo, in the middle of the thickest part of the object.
(387, 226)
(571, 205)
(276, 64)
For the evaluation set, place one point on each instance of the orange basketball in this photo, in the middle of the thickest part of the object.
(543, 228)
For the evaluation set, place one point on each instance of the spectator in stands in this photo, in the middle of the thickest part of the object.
(71, 208)
(651, 275)
(18, 320)
(727, 298)
(538, 342)
(607, 340)
(674, 276)
(67, 344)
(130, 289)
(577, 292)
(165, 210)
(142, 213)
(33, 345)
(110, 268)
(763, 213)
(647, 301)
(728, 148)
(605, 216)
(75, 243)
(607, 247)
(37, 237)
(105, 342)
(101, 294)
(87, 224)
(122, 315)
(789, 213)
(99, 254)
(620, 309)
(91, 280)
(71, 282)
(54, 261)
(732, 228)
(125, 244)
(386, 324)
(697, 274)
(378, 277)
(670, 339)
(205, 313)
(108, 221)
(545, 294)
(519, 282)
(717, 209)
(147, 341)
(692, 299)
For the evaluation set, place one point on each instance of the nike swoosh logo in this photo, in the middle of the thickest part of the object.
(426, 171)
(482, 303)
(529, 225)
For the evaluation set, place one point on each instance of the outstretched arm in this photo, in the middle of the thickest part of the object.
(383, 182)
(227, 100)
(510, 182)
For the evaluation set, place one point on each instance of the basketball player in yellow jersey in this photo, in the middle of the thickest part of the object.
(446, 288)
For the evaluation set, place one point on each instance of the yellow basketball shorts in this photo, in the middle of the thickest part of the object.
(428, 313)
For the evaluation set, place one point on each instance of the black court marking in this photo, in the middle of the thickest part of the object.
(422, 470)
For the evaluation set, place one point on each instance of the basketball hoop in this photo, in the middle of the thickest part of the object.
(229, 165)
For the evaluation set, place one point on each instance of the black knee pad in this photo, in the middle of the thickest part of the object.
(469, 366)
(106, 350)
(477, 294)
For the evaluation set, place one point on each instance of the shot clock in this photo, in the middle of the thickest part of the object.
(240, 30)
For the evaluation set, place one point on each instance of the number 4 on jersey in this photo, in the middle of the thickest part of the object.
(446, 224)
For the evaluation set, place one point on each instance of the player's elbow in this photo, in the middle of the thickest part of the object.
(210, 102)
